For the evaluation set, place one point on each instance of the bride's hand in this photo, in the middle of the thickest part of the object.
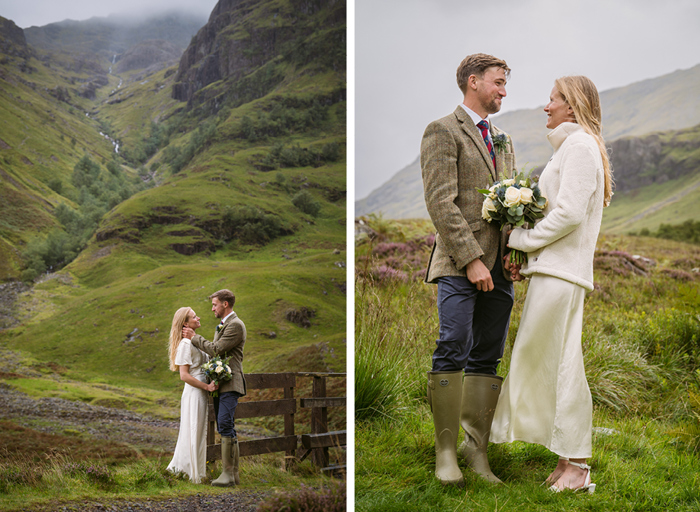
(212, 386)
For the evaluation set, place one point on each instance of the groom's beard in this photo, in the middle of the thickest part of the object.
(494, 106)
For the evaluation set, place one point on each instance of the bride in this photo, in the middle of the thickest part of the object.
(191, 449)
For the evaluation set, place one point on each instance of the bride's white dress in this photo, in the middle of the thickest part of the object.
(545, 398)
(191, 449)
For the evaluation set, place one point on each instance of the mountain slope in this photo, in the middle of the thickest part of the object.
(250, 194)
(629, 114)
(668, 102)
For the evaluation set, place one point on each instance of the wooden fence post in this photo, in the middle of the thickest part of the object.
(319, 420)
(290, 455)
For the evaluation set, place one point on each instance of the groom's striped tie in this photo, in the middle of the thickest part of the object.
(484, 127)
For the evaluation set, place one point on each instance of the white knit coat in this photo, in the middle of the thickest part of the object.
(562, 244)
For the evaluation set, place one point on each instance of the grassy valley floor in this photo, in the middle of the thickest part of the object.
(641, 345)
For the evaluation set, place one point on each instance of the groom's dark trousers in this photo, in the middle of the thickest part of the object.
(225, 409)
(473, 324)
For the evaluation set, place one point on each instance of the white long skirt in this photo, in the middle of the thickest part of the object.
(190, 455)
(545, 397)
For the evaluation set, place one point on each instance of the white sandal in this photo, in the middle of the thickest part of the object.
(587, 485)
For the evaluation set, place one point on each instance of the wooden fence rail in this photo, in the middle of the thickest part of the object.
(316, 443)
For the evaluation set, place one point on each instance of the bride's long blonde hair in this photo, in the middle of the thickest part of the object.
(581, 94)
(181, 316)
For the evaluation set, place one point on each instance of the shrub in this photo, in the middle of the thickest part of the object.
(251, 225)
(56, 185)
(305, 202)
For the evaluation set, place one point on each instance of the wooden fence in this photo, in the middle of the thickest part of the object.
(316, 443)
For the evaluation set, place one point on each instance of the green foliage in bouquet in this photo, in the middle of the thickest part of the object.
(217, 371)
(514, 202)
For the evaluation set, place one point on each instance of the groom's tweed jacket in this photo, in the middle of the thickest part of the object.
(455, 162)
(228, 343)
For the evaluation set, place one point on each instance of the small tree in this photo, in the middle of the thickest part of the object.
(305, 202)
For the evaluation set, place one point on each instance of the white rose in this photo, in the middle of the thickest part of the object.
(512, 197)
(509, 182)
(228, 368)
(219, 369)
(523, 183)
(487, 207)
(525, 195)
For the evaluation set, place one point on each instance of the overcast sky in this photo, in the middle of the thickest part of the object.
(407, 53)
(28, 13)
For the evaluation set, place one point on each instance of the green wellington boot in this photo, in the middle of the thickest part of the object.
(479, 398)
(226, 478)
(236, 456)
(444, 397)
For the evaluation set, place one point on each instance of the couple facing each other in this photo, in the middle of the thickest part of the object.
(545, 398)
(187, 352)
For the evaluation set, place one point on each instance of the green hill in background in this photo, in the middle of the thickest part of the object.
(234, 163)
(655, 171)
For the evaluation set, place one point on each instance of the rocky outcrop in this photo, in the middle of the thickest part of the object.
(242, 36)
(655, 158)
(12, 40)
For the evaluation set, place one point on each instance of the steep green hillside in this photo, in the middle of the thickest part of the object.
(249, 194)
(671, 202)
(43, 133)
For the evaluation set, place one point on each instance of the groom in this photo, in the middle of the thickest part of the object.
(460, 153)
(228, 343)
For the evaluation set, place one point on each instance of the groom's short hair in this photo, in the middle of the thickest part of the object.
(224, 296)
(477, 64)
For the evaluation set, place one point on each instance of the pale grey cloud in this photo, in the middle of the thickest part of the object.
(407, 52)
(27, 13)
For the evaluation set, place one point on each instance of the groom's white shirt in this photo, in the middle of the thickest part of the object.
(223, 320)
(477, 119)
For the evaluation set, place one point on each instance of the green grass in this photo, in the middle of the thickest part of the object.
(641, 345)
(650, 204)
(110, 305)
(62, 480)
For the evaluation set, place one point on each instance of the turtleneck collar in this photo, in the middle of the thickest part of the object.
(559, 134)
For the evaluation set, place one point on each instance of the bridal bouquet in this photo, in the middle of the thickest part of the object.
(217, 371)
(514, 201)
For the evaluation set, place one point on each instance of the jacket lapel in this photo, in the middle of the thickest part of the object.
(217, 333)
(473, 132)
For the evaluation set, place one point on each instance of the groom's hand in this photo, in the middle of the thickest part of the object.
(479, 275)
(187, 333)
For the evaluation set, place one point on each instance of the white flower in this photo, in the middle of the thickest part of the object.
(487, 207)
(525, 195)
(512, 197)
(509, 182)
(228, 368)
(523, 183)
(219, 369)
